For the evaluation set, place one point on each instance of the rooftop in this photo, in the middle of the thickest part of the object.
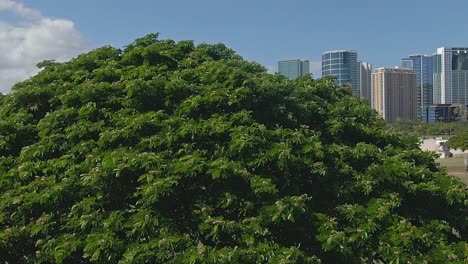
(336, 51)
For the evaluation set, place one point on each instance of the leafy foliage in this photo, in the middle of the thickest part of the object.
(171, 152)
(459, 141)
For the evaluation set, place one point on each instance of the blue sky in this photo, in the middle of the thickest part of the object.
(263, 31)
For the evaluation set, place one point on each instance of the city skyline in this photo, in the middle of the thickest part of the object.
(421, 88)
(261, 31)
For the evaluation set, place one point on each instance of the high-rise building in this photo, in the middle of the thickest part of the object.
(293, 68)
(343, 64)
(423, 67)
(394, 93)
(451, 76)
(365, 81)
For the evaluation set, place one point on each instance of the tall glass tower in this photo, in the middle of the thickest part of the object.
(451, 76)
(423, 67)
(293, 68)
(343, 64)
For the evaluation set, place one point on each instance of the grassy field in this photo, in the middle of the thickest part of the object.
(456, 167)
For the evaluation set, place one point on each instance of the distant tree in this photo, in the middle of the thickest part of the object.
(46, 63)
(459, 141)
(406, 126)
(460, 113)
(167, 152)
(427, 129)
(447, 128)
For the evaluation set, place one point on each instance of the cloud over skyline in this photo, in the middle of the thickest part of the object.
(34, 39)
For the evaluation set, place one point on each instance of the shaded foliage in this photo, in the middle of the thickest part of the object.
(171, 152)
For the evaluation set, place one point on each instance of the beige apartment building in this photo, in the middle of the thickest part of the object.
(394, 94)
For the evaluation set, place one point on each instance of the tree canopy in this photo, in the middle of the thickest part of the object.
(171, 152)
(459, 141)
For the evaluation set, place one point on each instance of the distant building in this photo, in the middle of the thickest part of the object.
(436, 113)
(451, 76)
(394, 93)
(423, 67)
(365, 81)
(293, 68)
(343, 64)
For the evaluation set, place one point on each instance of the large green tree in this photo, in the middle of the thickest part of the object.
(171, 152)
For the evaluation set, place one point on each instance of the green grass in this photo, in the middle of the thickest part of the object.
(451, 162)
(455, 167)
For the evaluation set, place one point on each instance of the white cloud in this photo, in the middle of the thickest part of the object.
(37, 38)
(19, 9)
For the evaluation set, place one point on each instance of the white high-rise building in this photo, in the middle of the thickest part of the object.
(451, 76)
